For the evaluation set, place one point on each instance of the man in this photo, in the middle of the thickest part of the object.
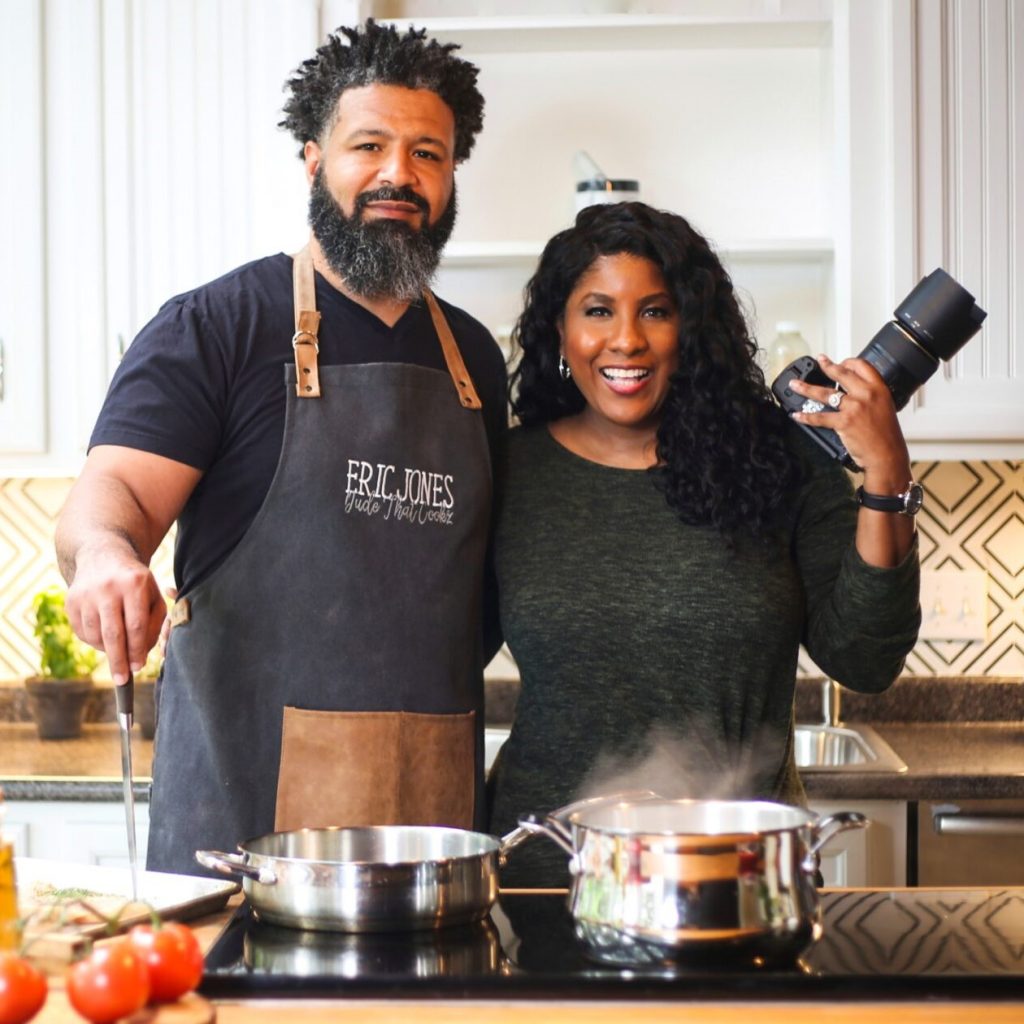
(315, 427)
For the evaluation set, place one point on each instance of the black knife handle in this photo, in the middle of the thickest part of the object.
(125, 696)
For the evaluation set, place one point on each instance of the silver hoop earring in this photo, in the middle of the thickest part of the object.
(563, 368)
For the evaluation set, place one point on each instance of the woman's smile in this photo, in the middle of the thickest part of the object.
(626, 380)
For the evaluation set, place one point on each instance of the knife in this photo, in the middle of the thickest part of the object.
(125, 696)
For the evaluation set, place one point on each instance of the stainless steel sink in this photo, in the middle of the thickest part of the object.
(818, 748)
(840, 748)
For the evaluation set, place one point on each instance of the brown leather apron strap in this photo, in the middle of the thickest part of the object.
(307, 323)
(181, 612)
(452, 357)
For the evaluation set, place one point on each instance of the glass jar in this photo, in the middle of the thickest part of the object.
(787, 345)
(606, 190)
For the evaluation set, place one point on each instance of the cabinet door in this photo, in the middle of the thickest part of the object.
(22, 313)
(873, 856)
(78, 370)
(77, 832)
(964, 78)
(198, 177)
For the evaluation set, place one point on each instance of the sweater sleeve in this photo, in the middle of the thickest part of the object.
(861, 620)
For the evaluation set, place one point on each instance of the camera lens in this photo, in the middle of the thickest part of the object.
(932, 323)
(940, 314)
(903, 364)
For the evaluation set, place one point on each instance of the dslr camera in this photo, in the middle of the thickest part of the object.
(930, 325)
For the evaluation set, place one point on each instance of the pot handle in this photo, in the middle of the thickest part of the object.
(532, 826)
(549, 826)
(831, 826)
(232, 864)
(510, 840)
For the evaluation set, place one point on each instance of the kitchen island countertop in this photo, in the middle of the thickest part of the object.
(733, 997)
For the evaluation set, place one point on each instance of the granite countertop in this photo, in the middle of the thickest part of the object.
(88, 768)
(945, 761)
(960, 739)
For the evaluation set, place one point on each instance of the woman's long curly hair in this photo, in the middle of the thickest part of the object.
(722, 456)
(376, 54)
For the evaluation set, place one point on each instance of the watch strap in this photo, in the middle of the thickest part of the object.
(907, 503)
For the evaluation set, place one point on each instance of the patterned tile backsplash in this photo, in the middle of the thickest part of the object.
(973, 519)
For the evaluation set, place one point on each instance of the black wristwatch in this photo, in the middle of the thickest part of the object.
(908, 503)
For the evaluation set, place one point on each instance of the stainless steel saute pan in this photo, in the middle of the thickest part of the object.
(385, 878)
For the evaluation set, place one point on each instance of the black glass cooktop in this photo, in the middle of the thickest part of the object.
(944, 943)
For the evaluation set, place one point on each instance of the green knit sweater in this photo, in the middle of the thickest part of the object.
(655, 654)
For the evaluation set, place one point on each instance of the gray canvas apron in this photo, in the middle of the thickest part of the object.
(329, 672)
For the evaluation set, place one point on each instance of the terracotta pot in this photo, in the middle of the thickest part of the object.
(58, 706)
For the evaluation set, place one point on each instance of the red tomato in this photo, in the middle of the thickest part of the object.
(22, 989)
(173, 957)
(111, 982)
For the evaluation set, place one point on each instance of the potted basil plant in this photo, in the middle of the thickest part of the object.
(58, 696)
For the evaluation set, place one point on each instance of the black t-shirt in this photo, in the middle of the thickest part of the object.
(203, 384)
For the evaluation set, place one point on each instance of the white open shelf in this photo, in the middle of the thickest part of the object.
(809, 26)
(495, 254)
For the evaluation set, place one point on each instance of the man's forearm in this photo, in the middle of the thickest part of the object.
(101, 516)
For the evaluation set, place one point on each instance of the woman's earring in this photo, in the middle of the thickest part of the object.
(563, 368)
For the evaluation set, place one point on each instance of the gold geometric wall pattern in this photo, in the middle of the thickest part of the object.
(973, 518)
(28, 518)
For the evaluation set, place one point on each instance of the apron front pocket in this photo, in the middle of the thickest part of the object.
(353, 768)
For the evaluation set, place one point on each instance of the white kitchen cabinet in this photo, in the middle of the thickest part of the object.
(874, 856)
(957, 178)
(22, 306)
(80, 832)
(148, 161)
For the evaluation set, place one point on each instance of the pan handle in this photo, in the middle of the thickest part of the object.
(232, 864)
(551, 827)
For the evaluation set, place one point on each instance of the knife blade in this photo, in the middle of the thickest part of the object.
(125, 696)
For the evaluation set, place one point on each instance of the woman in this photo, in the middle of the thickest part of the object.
(667, 538)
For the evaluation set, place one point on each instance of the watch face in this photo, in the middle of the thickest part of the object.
(913, 499)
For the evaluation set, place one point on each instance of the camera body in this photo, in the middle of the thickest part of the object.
(929, 326)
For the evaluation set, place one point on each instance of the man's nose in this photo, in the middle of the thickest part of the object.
(397, 169)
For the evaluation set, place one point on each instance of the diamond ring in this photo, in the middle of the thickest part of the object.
(810, 405)
(836, 399)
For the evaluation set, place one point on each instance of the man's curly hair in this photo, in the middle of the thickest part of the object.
(377, 55)
(723, 460)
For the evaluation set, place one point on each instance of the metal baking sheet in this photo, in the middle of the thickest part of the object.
(173, 897)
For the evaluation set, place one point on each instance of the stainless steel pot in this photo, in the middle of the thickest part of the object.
(659, 881)
(384, 878)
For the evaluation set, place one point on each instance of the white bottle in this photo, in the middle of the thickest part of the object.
(787, 345)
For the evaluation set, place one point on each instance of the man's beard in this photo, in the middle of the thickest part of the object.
(380, 258)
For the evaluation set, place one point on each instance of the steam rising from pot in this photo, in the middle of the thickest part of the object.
(675, 766)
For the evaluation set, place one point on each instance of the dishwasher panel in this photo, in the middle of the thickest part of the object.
(971, 842)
